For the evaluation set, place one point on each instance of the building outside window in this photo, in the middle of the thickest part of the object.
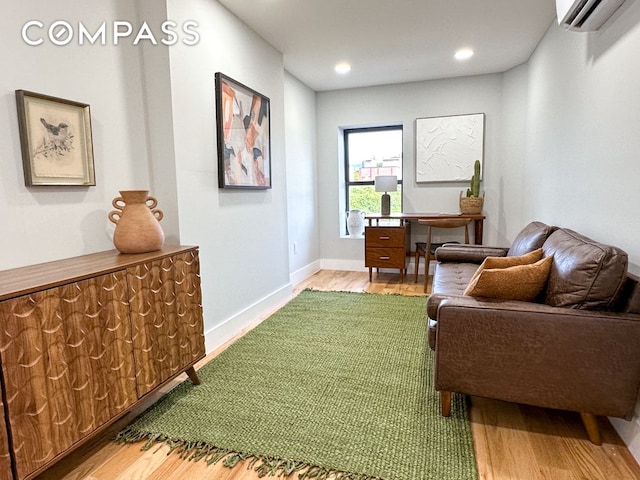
(370, 152)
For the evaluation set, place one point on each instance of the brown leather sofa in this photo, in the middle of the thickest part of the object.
(576, 348)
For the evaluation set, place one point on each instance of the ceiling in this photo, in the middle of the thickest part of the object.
(395, 41)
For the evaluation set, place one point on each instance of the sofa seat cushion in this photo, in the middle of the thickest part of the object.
(452, 278)
(530, 238)
(448, 279)
(585, 274)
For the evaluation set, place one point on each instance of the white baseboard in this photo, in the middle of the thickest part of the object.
(341, 264)
(305, 272)
(253, 314)
(358, 266)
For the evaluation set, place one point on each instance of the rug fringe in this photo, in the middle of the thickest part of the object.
(262, 465)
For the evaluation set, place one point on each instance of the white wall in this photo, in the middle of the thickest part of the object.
(580, 166)
(47, 223)
(580, 126)
(402, 104)
(242, 234)
(302, 186)
(156, 79)
(509, 216)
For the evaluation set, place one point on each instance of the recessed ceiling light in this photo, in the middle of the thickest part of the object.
(464, 54)
(342, 68)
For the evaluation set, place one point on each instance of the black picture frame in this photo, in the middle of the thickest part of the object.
(56, 140)
(243, 129)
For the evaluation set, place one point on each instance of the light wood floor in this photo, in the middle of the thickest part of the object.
(512, 442)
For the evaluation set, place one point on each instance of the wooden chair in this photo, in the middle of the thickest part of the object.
(423, 247)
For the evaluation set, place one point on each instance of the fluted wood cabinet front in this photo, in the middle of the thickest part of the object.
(83, 339)
(67, 365)
(165, 314)
(5, 458)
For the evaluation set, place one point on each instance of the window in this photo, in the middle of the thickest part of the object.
(369, 152)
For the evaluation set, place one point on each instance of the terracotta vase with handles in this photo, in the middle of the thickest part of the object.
(136, 218)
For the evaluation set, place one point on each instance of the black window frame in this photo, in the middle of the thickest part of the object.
(347, 181)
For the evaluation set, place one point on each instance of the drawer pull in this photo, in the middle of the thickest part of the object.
(384, 258)
(384, 238)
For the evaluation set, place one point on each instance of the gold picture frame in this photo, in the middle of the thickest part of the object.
(56, 140)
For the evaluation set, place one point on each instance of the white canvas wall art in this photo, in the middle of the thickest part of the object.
(447, 147)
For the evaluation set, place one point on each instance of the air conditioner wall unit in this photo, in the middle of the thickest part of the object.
(585, 15)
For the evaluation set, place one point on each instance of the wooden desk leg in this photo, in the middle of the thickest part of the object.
(370, 274)
(479, 227)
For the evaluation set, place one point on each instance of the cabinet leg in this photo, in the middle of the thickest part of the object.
(193, 376)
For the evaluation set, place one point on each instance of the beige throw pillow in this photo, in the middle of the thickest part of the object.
(517, 282)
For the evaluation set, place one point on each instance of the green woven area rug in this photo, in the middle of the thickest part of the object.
(333, 385)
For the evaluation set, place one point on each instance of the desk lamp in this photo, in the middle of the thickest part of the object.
(386, 183)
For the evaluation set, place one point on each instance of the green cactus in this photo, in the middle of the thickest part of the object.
(474, 191)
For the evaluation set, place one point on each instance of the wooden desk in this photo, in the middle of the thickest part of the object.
(478, 220)
(388, 246)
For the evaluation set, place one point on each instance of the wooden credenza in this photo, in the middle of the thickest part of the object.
(82, 340)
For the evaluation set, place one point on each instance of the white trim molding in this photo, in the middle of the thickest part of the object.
(304, 272)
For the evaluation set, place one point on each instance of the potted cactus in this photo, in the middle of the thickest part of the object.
(472, 203)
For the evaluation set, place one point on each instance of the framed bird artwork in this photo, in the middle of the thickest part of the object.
(56, 140)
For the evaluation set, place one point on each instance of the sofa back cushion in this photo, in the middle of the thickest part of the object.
(530, 238)
(585, 274)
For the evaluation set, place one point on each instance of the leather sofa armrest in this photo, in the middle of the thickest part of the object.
(463, 253)
(433, 303)
(554, 357)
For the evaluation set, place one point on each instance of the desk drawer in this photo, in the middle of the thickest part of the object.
(385, 237)
(385, 257)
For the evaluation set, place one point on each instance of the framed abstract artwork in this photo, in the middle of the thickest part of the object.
(244, 135)
(56, 140)
(447, 147)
